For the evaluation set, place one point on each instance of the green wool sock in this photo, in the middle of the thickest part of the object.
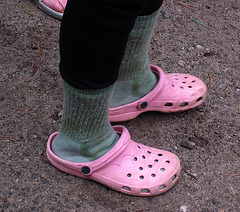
(86, 133)
(135, 76)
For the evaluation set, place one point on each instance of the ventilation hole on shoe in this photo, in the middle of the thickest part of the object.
(184, 82)
(145, 190)
(162, 187)
(148, 152)
(176, 78)
(143, 157)
(173, 85)
(174, 177)
(129, 175)
(153, 175)
(184, 104)
(193, 81)
(185, 77)
(181, 87)
(140, 168)
(190, 86)
(169, 104)
(199, 99)
(126, 188)
(156, 160)
(167, 161)
(149, 166)
(162, 169)
(160, 154)
(139, 147)
(141, 177)
(135, 159)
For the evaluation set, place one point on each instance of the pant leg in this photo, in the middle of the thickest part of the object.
(151, 6)
(93, 38)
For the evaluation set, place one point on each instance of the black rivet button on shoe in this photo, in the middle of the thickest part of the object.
(85, 170)
(143, 105)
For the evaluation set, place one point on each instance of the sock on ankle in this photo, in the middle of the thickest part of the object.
(86, 133)
(135, 76)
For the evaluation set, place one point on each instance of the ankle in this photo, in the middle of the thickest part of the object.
(127, 91)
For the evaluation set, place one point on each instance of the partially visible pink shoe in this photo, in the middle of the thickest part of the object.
(129, 167)
(54, 8)
(173, 93)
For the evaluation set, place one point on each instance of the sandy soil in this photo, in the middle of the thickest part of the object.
(31, 106)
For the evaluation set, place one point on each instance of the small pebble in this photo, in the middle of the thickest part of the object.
(187, 144)
(181, 62)
(183, 208)
(199, 47)
(208, 50)
(208, 53)
(165, 14)
(40, 152)
(194, 175)
(34, 177)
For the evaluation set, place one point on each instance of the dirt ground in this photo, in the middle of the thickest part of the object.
(31, 99)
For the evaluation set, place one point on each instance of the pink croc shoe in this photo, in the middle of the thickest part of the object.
(54, 8)
(128, 167)
(173, 93)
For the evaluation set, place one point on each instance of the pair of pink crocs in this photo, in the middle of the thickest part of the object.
(133, 168)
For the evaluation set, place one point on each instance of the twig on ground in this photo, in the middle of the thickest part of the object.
(75, 188)
(37, 59)
(234, 175)
(187, 5)
(231, 170)
(7, 139)
(35, 68)
(39, 49)
(210, 80)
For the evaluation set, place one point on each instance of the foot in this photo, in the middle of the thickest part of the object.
(127, 91)
(173, 93)
(129, 167)
(79, 151)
